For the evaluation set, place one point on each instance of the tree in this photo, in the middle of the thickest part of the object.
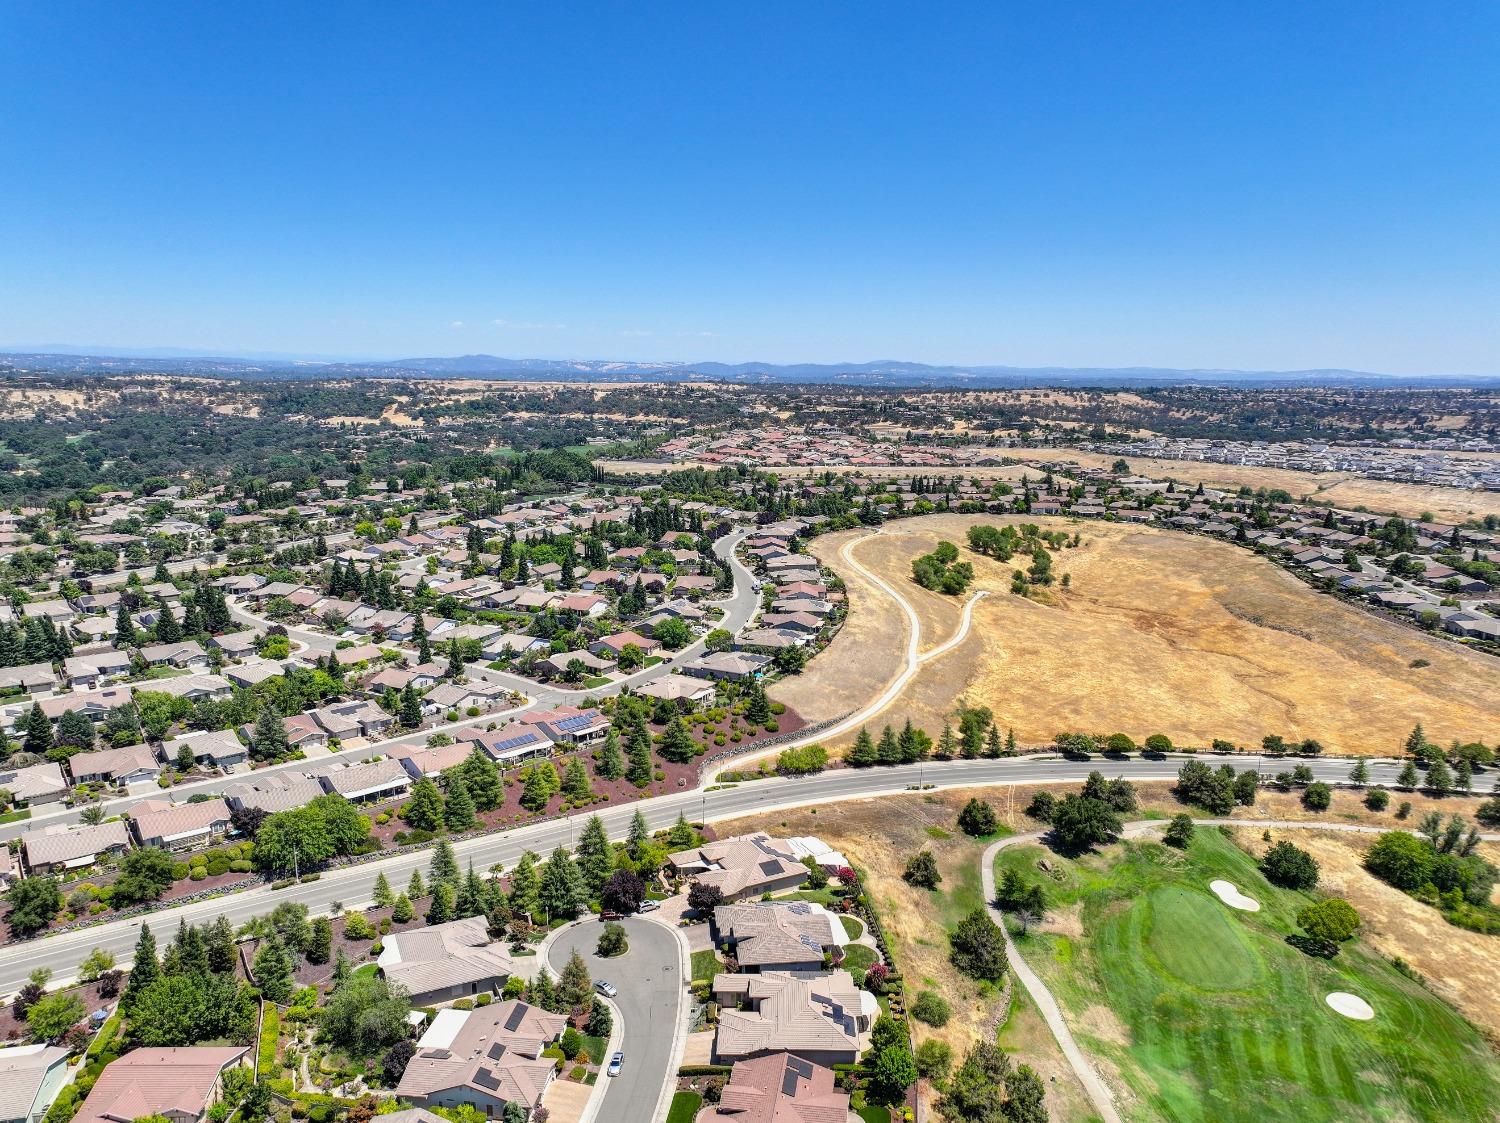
(575, 782)
(1317, 797)
(974, 1091)
(440, 906)
(34, 903)
(1439, 778)
(609, 763)
(673, 634)
(804, 760)
(932, 1008)
(458, 807)
(320, 947)
(921, 870)
(677, 744)
(145, 874)
(482, 779)
(145, 968)
(38, 731)
(366, 1015)
(640, 770)
(978, 947)
(1025, 1100)
(703, 898)
(862, 753)
(99, 961)
(538, 783)
(74, 731)
(622, 892)
(402, 911)
(978, 819)
(393, 1063)
(1179, 832)
(272, 968)
(424, 810)
(574, 987)
(443, 867)
(1042, 807)
(381, 894)
(1080, 823)
(601, 1022)
(934, 1060)
(525, 887)
(595, 857)
(54, 1015)
(1359, 775)
(1408, 777)
(1329, 923)
(562, 891)
(1402, 860)
(1289, 866)
(612, 941)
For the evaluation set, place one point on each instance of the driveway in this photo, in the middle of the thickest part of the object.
(650, 1001)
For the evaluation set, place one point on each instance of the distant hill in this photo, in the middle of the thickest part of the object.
(62, 359)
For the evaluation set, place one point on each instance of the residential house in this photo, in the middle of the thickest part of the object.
(217, 748)
(612, 645)
(743, 866)
(173, 826)
(823, 1018)
(89, 672)
(187, 655)
(484, 1058)
(568, 725)
(30, 679)
(35, 784)
(376, 779)
(61, 847)
(129, 765)
(31, 1076)
(273, 791)
(779, 935)
(446, 961)
(178, 1084)
(730, 666)
(779, 1088)
(513, 744)
(678, 688)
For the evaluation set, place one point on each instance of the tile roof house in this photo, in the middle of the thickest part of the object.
(180, 1084)
(127, 765)
(818, 1017)
(732, 666)
(743, 866)
(446, 961)
(30, 1078)
(513, 744)
(376, 779)
(486, 1058)
(30, 679)
(188, 655)
(274, 791)
(176, 826)
(39, 783)
(219, 748)
(568, 725)
(62, 847)
(778, 935)
(779, 1088)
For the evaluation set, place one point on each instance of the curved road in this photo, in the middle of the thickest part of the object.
(652, 994)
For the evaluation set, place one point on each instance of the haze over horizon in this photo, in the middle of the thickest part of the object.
(1273, 188)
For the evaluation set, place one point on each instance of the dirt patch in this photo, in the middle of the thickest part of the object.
(1158, 632)
(1105, 1024)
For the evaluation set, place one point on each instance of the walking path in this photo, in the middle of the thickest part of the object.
(1093, 1084)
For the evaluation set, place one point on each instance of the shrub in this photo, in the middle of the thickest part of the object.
(978, 819)
(1158, 743)
(922, 871)
(1179, 831)
(1377, 799)
(198, 873)
(1289, 866)
(932, 1008)
(1317, 797)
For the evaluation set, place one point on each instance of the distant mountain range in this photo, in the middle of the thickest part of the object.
(64, 359)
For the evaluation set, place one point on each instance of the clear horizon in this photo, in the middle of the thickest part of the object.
(1270, 188)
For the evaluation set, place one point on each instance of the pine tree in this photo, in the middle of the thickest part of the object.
(862, 753)
(1010, 741)
(402, 910)
(562, 891)
(640, 771)
(320, 947)
(1415, 740)
(444, 866)
(483, 780)
(677, 744)
(992, 747)
(424, 810)
(1359, 775)
(124, 628)
(758, 709)
(145, 968)
(947, 743)
(610, 763)
(167, 628)
(1408, 777)
(575, 784)
(682, 835)
(440, 909)
(889, 750)
(222, 950)
(416, 888)
(268, 739)
(525, 887)
(574, 987)
(639, 835)
(458, 809)
(272, 968)
(383, 896)
(75, 731)
(410, 714)
(596, 860)
(38, 731)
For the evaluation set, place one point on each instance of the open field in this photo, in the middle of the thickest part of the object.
(1342, 489)
(1203, 1013)
(1159, 632)
(879, 835)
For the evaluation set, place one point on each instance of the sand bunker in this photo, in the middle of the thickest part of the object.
(1350, 1005)
(1231, 896)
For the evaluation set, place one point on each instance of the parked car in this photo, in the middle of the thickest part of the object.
(610, 914)
(615, 1063)
(650, 906)
(606, 989)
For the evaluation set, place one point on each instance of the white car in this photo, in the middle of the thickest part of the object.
(606, 989)
(615, 1062)
(650, 906)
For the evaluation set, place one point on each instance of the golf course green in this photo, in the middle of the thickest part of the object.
(1207, 1013)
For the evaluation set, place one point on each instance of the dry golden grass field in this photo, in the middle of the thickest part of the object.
(1159, 632)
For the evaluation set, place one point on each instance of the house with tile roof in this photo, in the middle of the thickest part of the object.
(485, 1058)
(821, 1017)
(30, 1078)
(778, 935)
(176, 826)
(62, 847)
(743, 866)
(180, 1084)
(779, 1088)
(445, 962)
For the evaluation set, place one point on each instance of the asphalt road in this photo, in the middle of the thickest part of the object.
(354, 885)
(648, 977)
(738, 608)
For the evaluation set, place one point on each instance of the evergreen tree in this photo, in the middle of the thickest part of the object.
(75, 731)
(862, 753)
(639, 835)
(525, 887)
(595, 858)
(640, 770)
(947, 743)
(609, 762)
(992, 747)
(222, 950)
(416, 888)
(38, 731)
(124, 628)
(1359, 775)
(410, 713)
(268, 739)
(424, 810)
(758, 709)
(458, 809)
(145, 968)
(440, 909)
(562, 892)
(383, 896)
(575, 783)
(1408, 777)
(1010, 741)
(167, 628)
(575, 990)
(1415, 740)
(402, 910)
(272, 968)
(444, 866)
(889, 750)
(320, 947)
(677, 744)
(482, 779)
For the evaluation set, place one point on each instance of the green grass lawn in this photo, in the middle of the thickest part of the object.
(858, 958)
(872, 1114)
(705, 965)
(595, 1047)
(853, 926)
(684, 1107)
(1224, 1019)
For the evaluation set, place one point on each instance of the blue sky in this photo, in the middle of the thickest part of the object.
(1252, 185)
